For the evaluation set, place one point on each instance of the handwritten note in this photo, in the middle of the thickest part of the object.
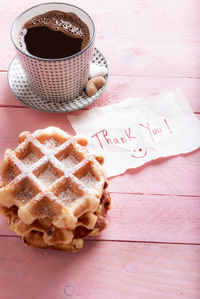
(139, 130)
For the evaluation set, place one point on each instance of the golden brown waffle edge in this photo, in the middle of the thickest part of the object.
(53, 190)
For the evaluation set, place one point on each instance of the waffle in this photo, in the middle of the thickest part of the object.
(53, 190)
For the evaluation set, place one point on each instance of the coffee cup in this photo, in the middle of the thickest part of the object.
(53, 73)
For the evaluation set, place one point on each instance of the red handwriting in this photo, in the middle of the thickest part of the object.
(167, 125)
(129, 134)
(102, 137)
(155, 131)
(148, 128)
(140, 153)
(105, 136)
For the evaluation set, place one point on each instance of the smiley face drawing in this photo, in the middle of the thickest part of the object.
(139, 153)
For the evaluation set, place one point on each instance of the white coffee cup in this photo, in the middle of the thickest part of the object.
(55, 79)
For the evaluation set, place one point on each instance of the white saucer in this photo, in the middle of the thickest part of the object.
(22, 90)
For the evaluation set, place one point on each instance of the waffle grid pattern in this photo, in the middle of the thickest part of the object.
(52, 176)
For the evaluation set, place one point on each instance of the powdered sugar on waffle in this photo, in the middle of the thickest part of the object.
(51, 143)
(25, 194)
(47, 171)
(47, 177)
(30, 159)
(53, 190)
(67, 196)
(70, 161)
(89, 180)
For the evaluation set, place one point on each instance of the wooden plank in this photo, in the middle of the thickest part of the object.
(140, 25)
(153, 218)
(134, 23)
(139, 271)
(153, 7)
(149, 218)
(154, 58)
(143, 58)
(140, 40)
(173, 176)
(122, 87)
(4, 228)
(137, 37)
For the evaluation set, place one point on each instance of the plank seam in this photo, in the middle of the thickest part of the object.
(140, 76)
(144, 242)
(24, 107)
(154, 194)
(122, 241)
(155, 77)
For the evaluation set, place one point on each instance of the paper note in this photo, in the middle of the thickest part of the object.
(138, 130)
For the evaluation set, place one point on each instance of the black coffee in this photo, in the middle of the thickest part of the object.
(54, 34)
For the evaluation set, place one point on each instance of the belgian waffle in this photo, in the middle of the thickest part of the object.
(53, 190)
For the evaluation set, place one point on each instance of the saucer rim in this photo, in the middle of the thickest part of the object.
(94, 98)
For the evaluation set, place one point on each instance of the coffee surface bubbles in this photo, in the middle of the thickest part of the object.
(54, 35)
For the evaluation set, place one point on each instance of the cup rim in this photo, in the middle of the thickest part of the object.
(52, 59)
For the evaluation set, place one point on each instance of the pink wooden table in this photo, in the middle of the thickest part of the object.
(151, 248)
